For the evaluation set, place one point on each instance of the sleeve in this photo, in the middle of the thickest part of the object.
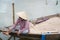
(14, 25)
(26, 27)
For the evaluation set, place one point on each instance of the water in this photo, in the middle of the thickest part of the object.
(5, 37)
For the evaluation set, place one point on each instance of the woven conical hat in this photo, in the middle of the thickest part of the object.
(22, 15)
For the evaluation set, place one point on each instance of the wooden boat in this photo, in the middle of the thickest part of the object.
(48, 28)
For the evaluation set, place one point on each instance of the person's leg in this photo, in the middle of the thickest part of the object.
(25, 32)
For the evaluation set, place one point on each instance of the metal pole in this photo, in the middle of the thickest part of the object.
(13, 11)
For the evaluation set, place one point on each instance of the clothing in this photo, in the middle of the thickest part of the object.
(24, 25)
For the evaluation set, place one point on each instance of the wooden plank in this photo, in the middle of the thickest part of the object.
(26, 36)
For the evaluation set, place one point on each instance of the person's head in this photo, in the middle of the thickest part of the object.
(21, 19)
(22, 15)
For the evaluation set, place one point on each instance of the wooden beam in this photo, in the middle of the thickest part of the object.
(13, 11)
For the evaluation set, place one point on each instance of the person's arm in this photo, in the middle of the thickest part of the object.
(26, 27)
(14, 25)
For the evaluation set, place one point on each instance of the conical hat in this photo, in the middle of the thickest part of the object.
(22, 15)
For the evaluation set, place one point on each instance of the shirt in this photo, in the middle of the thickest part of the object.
(24, 25)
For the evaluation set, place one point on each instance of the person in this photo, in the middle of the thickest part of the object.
(21, 25)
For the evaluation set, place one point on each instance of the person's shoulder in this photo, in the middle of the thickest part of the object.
(27, 22)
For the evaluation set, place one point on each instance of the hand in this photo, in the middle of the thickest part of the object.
(6, 33)
(18, 33)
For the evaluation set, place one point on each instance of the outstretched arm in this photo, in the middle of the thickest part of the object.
(14, 25)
